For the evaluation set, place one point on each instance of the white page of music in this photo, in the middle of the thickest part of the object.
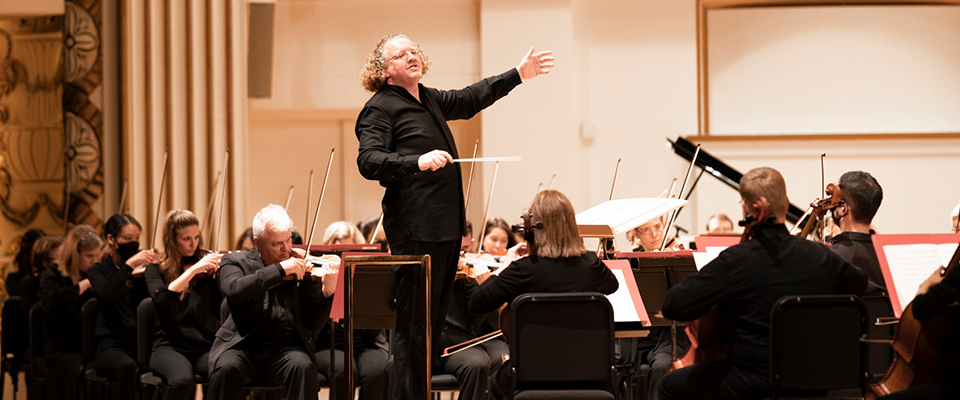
(623, 308)
(911, 264)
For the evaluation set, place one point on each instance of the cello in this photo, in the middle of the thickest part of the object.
(705, 344)
(919, 347)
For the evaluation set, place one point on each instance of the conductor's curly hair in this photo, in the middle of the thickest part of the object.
(372, 77)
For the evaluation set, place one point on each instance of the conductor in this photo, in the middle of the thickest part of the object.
(405, 144)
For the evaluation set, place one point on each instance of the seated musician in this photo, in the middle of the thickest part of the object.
(274, 301)
(497, 237)
(184, 290)
(370, 348)
(744, 282)
(562, 264)
(719, 223)
(934, 296)
(471, 366)
(650, 236)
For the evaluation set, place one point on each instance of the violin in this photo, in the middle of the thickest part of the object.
(705, 344)
(188, 262)
(674, 245)
(315, 264)
(472, 264)
(919, 347)
(818, 208)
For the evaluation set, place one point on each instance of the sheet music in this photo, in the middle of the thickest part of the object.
(622, 215)
(911, 264)
(623, 309)
(703, 258)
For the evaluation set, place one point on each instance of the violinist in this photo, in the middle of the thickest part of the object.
(63, 290)
(471, 366)
(187, 299)
(497, 237)
(118, 296)
(744, 282)
(650, 235)
(245, 240)
(269, 313)
(370, 348)
(937, 293)
(719, 223)
(561, 264)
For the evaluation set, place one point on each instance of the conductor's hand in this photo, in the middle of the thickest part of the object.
(533, 64)
(434, 160)
(293, 268)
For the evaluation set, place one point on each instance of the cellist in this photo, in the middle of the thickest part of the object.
(934, 296)
(744, 282)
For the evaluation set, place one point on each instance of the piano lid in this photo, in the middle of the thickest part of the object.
(720, 170)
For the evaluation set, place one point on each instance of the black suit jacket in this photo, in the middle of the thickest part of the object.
(245, 283)
(394, 129)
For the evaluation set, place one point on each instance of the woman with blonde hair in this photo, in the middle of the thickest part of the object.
(342, 232)
(187, 299)
(561, 265)
(64, 288)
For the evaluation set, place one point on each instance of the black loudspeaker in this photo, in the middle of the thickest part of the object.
(260, 50)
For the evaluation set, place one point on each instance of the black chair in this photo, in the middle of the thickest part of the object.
(12, 341)
(561, 347)
(443, 383)
(815, 345)
(94, 385)
(35, 353)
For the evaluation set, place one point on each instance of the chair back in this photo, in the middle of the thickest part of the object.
(815, 343)
(562, 341)
(35, 321)
(88, 318)
(146, 331)
(11, 328)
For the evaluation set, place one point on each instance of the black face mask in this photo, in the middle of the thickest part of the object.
(127, 250)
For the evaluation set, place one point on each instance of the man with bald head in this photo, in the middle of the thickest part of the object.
(406, 145)
(744, 282)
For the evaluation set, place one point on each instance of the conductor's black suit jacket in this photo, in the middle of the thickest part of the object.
(246, 282)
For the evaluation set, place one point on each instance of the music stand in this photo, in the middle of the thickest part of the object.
(611, 218)
(373, 275)
(656, 273)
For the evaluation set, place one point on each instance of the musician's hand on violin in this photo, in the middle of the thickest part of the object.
(208, 264)
(298, 253)
(294, 268)
(327, 274)
(434, 160)
(516, 252)
(142, 258)
(84, 285)
(931, 281)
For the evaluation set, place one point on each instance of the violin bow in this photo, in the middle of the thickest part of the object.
(486, 210)
(306, 219)
(156, 219)
(550, 185)
(223, 192)
(208, 216)
(286, 204)
(466, 198)
(123, 197)
(376, 230)
(616, 172)
(323, 188)
(673, 215)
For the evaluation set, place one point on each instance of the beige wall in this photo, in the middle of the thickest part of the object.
(625, 80)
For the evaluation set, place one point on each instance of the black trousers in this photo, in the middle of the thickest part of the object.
(116, 360)
(473, 367)
(63, 375)
(407, 379)
(369, 371)
(660, 357)
(286, 365)
(178, 370)
(719, 380)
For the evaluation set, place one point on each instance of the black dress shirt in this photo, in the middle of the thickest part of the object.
(745, 280)
(187, 324)
(394, 130)
(117, 298)
(61, 302)
(584, 273)
(857, 248)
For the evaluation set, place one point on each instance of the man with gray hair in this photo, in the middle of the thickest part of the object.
(272, 302)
